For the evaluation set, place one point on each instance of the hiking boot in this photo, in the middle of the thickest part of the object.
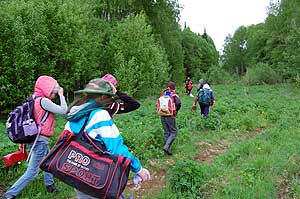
(52, 189)
(167, 151)
(7, 196)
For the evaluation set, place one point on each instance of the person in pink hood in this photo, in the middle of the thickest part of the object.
(45, 90)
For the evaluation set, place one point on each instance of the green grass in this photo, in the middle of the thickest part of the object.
(257, 128)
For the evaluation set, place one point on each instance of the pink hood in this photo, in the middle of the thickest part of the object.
(44, 86)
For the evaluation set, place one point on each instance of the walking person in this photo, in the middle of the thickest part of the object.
(188, 87)
(169, 121)
(45, 90)
(205, 98)
(126, 104)
(91, 104)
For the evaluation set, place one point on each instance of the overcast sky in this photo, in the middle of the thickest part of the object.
(221, 17)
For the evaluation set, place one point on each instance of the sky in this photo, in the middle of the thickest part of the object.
(221, 17)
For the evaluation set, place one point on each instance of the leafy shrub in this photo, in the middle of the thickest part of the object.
(261, 74)
(217, 75)
(212, 121)
(41, 37)
(187, 176)
(134, 53)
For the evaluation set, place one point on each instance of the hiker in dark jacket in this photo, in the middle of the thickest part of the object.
(169, 122)
(127, 103)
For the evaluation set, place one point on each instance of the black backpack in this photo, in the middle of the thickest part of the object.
(20, 125)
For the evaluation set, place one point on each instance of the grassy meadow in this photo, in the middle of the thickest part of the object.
(247, 148)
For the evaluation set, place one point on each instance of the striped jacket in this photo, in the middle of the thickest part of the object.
(101, 127)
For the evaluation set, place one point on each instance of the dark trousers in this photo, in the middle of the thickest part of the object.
(204, 109)
(169, 126)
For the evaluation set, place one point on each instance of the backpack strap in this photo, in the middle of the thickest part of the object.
(84, 124)
(45, 115)
(44, 118)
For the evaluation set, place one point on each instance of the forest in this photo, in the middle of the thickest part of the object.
(75, 41)
(81, 40)
(248, 145)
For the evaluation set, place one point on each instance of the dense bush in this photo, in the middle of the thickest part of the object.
(134, 53)
(75, 41)
(187, 176)
(217, 75)
(40, 37)
(261, 74)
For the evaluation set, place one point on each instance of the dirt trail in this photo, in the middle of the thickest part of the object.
(158, 182)
(152, 187)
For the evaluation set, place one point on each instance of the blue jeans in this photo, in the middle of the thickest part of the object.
(39, 151)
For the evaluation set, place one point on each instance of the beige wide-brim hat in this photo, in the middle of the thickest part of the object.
(97, 86)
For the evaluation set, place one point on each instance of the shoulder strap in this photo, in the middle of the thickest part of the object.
(45, 115)
(84, 124)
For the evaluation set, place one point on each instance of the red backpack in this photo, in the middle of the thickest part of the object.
(190, 85)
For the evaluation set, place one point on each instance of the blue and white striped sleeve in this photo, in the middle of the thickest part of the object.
(102, 127)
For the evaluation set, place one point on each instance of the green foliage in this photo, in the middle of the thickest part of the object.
(40, 37)
(163, 15)
(273, 43)
(234, 56)
(75, 41)
(140, 57)
(192, 57)
(247, 147)
(217, 75)
(187, 176)
(261, 74)
(257, 39)
(199, 53)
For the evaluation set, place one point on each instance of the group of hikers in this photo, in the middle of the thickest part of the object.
(102, 100)
(204, 97)
(99, 99)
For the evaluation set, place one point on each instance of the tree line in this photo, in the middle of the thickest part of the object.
(268, 52)
(139, 41)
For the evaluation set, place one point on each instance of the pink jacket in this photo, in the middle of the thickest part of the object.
(43, 88)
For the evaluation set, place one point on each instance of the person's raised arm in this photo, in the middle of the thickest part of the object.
(50, 106)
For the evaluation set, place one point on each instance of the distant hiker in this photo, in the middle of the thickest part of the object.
(168, 106)
(200, 84)
(127, 103)
(205, 98)
(46, 88)
(188, 86)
